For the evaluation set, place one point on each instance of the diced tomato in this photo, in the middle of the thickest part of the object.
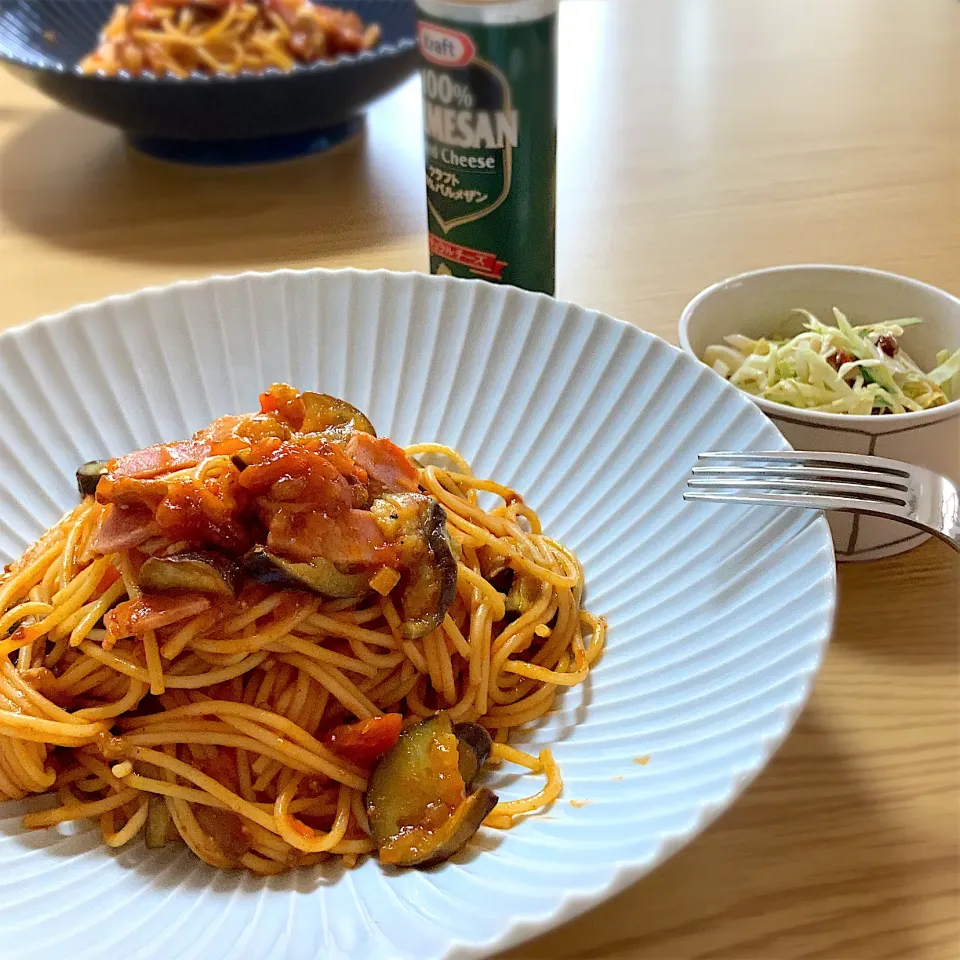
(207, 512)
(285, 402)
(365, 742)
(306, 469)
(151, 612)
(388, 467)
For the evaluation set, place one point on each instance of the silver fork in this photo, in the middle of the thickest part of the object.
(832, 481)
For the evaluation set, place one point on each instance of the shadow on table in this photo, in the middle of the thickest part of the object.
(803, 865)
(12, 113)
(924, 590)
(76, 184)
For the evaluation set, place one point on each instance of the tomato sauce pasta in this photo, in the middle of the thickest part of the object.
(286, 639)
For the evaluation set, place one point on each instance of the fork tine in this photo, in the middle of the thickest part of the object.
(813, 474)
(772, 499)
(831, 481)
(862, 492)
(813, 458)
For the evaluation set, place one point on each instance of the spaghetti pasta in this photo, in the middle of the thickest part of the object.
(180, 37)
(243, 715)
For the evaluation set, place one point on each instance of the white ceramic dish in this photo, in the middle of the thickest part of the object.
(759, 303)
(718, 615)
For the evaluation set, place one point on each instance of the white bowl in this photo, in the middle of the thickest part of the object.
(759, 303)
(718, 615)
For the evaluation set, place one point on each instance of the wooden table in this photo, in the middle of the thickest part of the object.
(698, 138)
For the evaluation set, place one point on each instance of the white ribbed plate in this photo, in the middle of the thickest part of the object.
(718, 615)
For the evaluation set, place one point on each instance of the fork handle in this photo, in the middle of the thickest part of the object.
(950, 534)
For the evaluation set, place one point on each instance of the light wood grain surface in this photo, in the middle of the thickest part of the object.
(698, 138)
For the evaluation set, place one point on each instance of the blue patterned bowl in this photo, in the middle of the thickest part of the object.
(42, 41)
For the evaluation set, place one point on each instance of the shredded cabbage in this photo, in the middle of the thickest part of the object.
(842, 369)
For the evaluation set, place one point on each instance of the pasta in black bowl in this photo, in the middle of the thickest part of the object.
(287, 88)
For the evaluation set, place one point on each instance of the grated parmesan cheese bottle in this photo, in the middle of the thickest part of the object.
(490, 130)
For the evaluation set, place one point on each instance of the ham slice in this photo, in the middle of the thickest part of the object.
(159, 459)
(151, 612)
(221, 428)
(388, 467)
(128, 492)
(122, 528)
(348, 539)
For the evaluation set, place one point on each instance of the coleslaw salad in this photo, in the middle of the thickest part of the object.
(858, 370)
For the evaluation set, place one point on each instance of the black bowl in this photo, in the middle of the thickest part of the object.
(42, 41)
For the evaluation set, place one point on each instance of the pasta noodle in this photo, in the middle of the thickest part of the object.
(218, 728)
(180, 37)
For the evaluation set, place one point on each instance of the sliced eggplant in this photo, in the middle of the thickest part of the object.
(431, 584)
(455, 833)
(201, 570)
(158, 819)
(523, 593)
(88, 476)
(475, 745)
(494, 568)
(419, 811)
(318, 576)
(326, 413)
